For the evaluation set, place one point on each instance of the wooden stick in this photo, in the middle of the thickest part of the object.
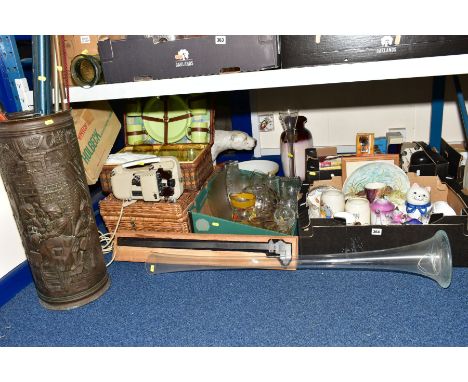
(60, 73)
(55, 75)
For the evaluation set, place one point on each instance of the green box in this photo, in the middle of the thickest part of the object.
(204, 222)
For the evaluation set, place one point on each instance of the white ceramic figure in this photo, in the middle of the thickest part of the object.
(418, 202)
(442, 207)
(225, 140)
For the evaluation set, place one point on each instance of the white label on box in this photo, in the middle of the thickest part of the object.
(85, 39)
(220, 40)
(376, 231)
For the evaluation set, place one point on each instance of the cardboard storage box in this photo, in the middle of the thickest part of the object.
(146, 58)
(213, 216)
(321, 236)
(82, 44)
(97, 128)
(313, 50)
(76, 45)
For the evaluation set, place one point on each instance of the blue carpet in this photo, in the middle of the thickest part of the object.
(249, 308)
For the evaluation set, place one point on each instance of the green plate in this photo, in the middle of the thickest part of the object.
(154, 108)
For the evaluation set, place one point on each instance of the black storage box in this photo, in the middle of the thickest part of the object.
(454, 158)
(438, 166)
(147, 58)
(327, 236)
(313, 50)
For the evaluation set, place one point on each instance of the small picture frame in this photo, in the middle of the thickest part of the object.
(352, 163)
(265, 123)
(364, 144)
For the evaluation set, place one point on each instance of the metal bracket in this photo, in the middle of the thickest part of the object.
(24, 94)
(461, 108)
(282, 250)
(437, 112)
(10, 70)
(438, 95)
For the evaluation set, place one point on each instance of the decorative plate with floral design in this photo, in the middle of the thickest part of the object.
(393, 176)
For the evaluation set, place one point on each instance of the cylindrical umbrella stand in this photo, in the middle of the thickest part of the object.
(41, 168)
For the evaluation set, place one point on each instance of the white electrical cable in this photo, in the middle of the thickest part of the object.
(107, 239)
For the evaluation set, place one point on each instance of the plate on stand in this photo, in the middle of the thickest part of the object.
(388, 173)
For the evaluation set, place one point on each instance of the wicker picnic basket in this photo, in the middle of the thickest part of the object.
(195, 159)
(148, 216)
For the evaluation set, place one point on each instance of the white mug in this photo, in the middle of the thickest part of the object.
(331, 202)
(360, 208)
(313, 200)
(348, 216)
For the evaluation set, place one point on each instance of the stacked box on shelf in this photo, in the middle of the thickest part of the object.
(159, 57)
(299, 51)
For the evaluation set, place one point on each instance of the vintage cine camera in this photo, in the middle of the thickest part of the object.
(151, 179)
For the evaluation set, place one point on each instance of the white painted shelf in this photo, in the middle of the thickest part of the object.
(326, 74)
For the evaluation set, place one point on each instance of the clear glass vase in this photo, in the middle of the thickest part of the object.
(286, 212)
(288, 119)
(293, 144)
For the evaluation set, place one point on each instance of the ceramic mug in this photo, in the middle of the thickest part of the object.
(198, 132)
(360, 208)
(347, 216)
(313, 200)
(331, 202)
(374, 190)
(198, 106)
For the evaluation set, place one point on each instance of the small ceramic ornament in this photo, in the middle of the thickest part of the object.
(382, 212)
(442, 207)
(398, 216)
(418, 203)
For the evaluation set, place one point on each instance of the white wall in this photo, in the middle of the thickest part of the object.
(336, 112)
(11, 249)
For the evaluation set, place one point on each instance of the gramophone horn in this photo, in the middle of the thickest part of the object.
(430, 258)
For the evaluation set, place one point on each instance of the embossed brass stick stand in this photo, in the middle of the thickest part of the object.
(41, 167)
